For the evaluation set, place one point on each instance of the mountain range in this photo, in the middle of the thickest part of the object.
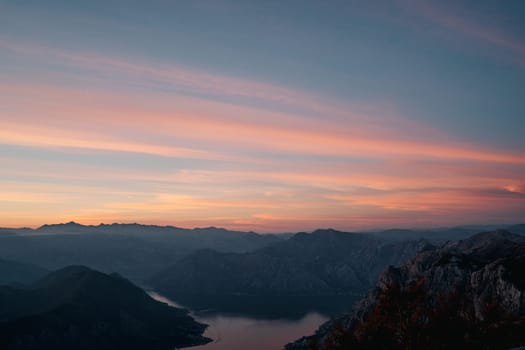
(314, 269)
(133, 250)
(467, 294)
(432, 292)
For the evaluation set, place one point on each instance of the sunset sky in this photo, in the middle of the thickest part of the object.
(272, 116)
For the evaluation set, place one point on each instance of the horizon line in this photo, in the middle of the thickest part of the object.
(370, 230)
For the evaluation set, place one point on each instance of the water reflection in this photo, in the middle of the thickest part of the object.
(241, 333)
(241, 323)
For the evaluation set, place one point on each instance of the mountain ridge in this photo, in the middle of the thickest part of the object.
(466, 293)
(133, 250)
(326, 262)
(80, 308)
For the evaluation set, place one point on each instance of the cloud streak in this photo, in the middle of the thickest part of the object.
(227, 151)
(182, 78)
(469, 28)
(209, 125)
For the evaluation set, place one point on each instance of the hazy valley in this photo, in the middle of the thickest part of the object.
(281, 281)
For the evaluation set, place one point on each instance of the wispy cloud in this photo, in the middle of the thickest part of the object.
(15, 134)
(178, 78)
(102, 121)
(437, 13)
(235, 152)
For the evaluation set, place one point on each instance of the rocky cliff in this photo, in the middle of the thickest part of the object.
(465, 294)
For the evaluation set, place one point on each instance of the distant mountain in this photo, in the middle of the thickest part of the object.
(79, 308)
(440, 235)
(133, 250)
(467, 294)
(135, 229)
(14, 231)
(15, 273)
(323, 263)
(519, 229)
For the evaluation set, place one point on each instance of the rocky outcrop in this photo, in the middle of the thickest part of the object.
(463, 294)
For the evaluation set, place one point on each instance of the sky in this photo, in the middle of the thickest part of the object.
(271, 116)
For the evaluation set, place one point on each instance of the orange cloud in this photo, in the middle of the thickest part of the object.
(102, 124)
(445, 201)
(18, 134)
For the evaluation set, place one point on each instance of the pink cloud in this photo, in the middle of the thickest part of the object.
(278, 168)
(81, 118)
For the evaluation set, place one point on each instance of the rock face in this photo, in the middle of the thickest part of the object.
(323, 263)
(465, 294)
(79, 308)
